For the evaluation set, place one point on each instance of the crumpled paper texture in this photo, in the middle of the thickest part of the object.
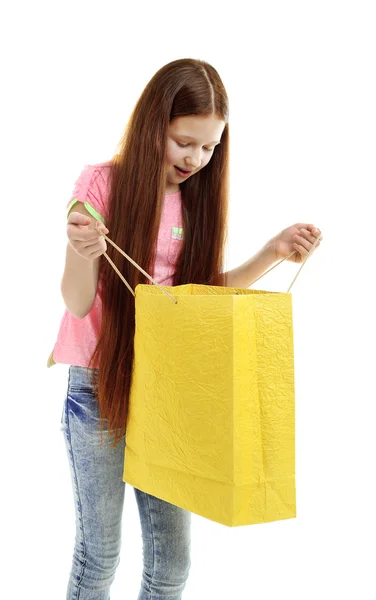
(211, 425)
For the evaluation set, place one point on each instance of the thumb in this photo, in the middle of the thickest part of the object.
(77, 218)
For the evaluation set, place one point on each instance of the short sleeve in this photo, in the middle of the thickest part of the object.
(91, 188)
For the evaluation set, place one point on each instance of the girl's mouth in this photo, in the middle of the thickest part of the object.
(181, 172)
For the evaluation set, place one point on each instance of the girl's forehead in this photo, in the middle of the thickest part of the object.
(197, 126)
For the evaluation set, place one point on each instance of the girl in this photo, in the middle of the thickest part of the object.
(163, 198)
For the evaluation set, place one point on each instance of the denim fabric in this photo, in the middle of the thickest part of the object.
(98, 491)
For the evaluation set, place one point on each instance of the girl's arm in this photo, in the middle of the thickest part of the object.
(293, 243)
(245, 274)
(80, 278)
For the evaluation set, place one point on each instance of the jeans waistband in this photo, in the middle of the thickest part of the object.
(81, 376)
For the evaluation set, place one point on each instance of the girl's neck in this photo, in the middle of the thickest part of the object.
(171, 189)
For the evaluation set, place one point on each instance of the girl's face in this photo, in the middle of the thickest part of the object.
(190, 145)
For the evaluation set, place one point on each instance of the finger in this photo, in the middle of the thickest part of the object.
(312, 238)
(90, 253)
(309, 227)
(302, 242)
(314, 231)
(97, 250)
(101, 230)
(300, 249)
(308, 236)
(304, 246)
(76, 218)
(80, 235)
(100, 226)
(90, 245)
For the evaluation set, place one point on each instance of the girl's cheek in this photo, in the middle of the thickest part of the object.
(171, 153)
(175, 156)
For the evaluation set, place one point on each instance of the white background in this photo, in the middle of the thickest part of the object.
(301, 82)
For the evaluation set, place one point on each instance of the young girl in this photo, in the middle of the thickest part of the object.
(163, 199)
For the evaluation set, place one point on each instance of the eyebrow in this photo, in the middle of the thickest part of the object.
(188, 137)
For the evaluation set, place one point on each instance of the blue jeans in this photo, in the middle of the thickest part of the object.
(98, 490)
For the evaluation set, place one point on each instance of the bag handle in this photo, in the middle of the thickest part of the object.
(133, 263)
(169, 295)
(286, 257)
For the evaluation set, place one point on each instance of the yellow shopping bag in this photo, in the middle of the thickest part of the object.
(211, 421)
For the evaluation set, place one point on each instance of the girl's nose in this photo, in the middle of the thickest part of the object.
(194, 160)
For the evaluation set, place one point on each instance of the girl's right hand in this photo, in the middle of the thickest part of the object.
(84, 237)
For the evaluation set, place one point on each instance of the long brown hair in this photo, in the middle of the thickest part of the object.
(137, 187)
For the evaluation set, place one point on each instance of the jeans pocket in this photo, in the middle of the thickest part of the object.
(82, 405)
(62, 420)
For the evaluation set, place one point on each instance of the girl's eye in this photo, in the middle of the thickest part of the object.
(185, 146)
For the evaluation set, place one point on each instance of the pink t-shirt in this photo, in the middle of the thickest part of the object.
(77, 338)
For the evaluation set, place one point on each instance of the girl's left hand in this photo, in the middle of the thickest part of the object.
(299, 237)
